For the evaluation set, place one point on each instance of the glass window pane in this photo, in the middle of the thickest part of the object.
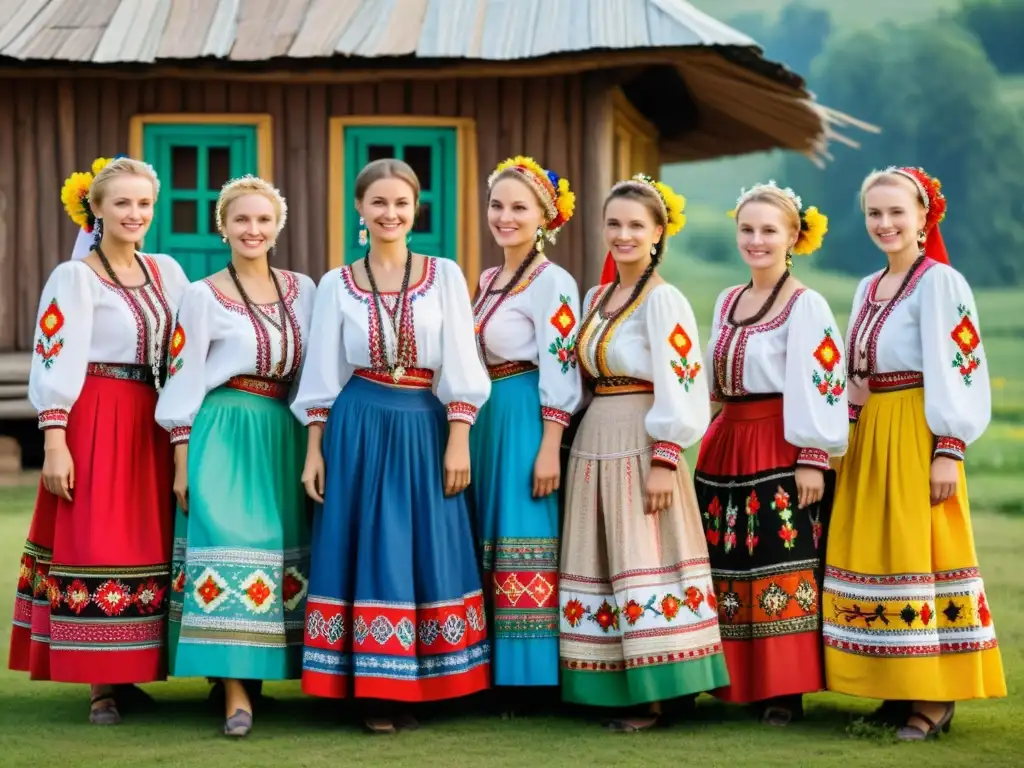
(184, 220)
(212, 220)
(424, 219)
(420, 157)
(379, 152)
(218, 169)
(183, 167)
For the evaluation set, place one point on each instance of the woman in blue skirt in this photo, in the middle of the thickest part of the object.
(241, 534)
(391, 385)
(525, 314)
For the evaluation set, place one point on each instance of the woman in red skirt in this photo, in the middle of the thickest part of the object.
(763, 464)
(93, 588)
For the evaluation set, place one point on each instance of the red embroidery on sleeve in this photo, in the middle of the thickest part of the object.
(832, 384)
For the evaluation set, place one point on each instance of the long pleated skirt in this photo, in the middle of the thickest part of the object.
(906, 616)
(517, 534)
(241, 553)
(766, 554)
(91, 605)
(395, 607)
(639, 619)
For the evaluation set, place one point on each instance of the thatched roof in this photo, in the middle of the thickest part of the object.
(729, 98)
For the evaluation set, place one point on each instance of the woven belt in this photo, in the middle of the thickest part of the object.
(895, 381)
(621, 385)
(258, 385)
(411, 378)
(505, 370)
(122, 371)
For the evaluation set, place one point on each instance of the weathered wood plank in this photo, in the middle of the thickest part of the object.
(45, 45)
(39, 22)
(187, 29)
(48, 206)
(113, 40)
(486, 97)
(29, 283)
(19, 14)
(110, 119)
(65, 136)
(296, 179)
(573, 252)
(401, 33)
(221, 35)
(448, 101)
(423, 98)
(450, 27)
(314, 218)
(215, 96)
(323, 26)
(391, 97)
(80, 44)
(340, 100)
(9, 294)
(291, 16)
(691, 21)
(273, 96)
(152, 31)
(363, 28)
(597, 169)
(267, 28)
(364, 99)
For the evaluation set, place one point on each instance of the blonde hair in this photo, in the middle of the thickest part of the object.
(388, 168)
(772, 195)
(250, 185)
(893, 178)
(121, 166)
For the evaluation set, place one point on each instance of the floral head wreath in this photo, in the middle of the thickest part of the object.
(813, 223)
(672, 203)
(929, 191)
(75, 194)
(256, 185)
(557, 199)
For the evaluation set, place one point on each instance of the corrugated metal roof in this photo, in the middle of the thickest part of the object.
(149, 31)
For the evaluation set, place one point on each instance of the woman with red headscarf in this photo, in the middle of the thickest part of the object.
(906, 617)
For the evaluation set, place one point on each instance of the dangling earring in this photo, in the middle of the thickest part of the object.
(223, 238)
(364, 237)
(539, 241)
(408, 238)
(920, 238)
(789, 261)
(97, 233)
(654, 250)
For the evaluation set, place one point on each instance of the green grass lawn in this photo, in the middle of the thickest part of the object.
(45, 723)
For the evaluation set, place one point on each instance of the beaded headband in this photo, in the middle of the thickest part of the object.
(255, 185)
(813, 223)
(553, 192)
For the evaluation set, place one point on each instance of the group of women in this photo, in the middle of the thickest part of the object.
(426, 540)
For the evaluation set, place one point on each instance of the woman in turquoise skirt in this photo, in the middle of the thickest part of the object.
(241, 534)
(525, 315)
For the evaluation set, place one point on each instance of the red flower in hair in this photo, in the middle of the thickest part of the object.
(936, 200)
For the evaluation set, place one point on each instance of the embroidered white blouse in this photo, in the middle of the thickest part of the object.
(932, 328)
(344, 332)
(654, 340)
(798, 354)
(535, 323)
(216, 339)
(87, 319)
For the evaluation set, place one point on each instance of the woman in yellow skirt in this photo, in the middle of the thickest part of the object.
(906, 617)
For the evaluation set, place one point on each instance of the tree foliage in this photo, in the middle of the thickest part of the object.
(934, 93)
(999, 25)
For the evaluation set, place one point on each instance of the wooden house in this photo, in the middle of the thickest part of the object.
(304, 92)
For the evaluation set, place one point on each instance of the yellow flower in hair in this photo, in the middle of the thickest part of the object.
(565, 202)
(813, 226)
(674, 205)
(520, 161)
(74, 195)
(99, 164)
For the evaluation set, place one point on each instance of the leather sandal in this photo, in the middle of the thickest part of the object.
(915, 733)
(239, 724)
(632, 725)
(892, 713)
(107, 714)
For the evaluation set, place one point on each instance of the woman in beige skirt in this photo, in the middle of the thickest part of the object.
(639, 622)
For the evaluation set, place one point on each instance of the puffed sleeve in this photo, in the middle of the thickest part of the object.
(325, 369)
(682, 408)
(175, 280)
(957, 395)
(63, 336)
(183, 394)
(463, 384)
(555, 303)
(814, 403)
(853, 409)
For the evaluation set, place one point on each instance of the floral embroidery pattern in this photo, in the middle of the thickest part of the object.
(47, 347)
(564, 345)
(816, 529)
(713, 516)
(731, 513)
(177, 344)
(606, 616)
(679, 340)
(667, 606)
(753, 505)
(832, 385)
(781, 506)
(967, 339)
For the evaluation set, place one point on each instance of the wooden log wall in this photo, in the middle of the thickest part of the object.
(50, 127)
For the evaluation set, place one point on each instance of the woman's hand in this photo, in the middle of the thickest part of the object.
(58, 466)
(661, 486)
(810, 486)
(313, 473)
(944, 477)
(547, 469)
(181, 475)
(456, 458)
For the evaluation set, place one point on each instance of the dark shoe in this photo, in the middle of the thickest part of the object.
(106, 714)
(914, 733)
(239, 724)
(380, 725)
(783, 710)
(891, 713)
(632, 724)
(133, 698)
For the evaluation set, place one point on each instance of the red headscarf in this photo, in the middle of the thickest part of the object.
(930, 190)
